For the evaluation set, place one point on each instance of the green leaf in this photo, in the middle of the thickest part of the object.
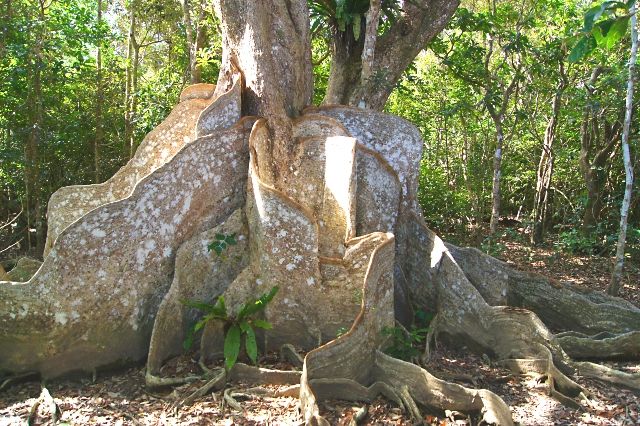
(203, 306)
(244, 326)
(591, 16)
(231, 346)
(584, 46)
(221, 307)
(250, 308)
(220, 237)
(251, 345)
(616, 32)
(200, 324)
(600, 31)
(188, 340)
(357, 25)
(231, 239)
(265, 325)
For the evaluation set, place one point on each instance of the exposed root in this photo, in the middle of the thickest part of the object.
(358, 416)
(230, 400)
(12, 380)
(257, 375)
(216, 383)
(601, 346)
(292, 391)
(609, 375)
(350, 390)
(290, 354)
(154, 382)
(410, 404)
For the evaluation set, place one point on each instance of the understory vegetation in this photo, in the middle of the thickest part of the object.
(247, 220)
(78, 93)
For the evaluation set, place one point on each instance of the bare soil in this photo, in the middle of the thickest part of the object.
(122, 399)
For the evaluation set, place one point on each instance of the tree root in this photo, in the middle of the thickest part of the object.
(601, 346)
(609, 375)
(230, 400)
(216, 383)
(345, 367)
(12, 380)
(290, 354)
(257, 375)
(155, 382)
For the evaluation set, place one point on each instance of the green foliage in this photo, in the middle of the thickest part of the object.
(408, 344)
(222, 242)
(241, 324)
(604, 26)
(405, 344)
(345, 14)
(492, 246)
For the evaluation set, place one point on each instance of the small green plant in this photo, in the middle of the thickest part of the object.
(341, 331)
(242, 324)
(407, 344)
(222, 242)
(492, 246)
(575, 241)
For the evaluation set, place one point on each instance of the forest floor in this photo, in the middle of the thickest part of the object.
(121, 398)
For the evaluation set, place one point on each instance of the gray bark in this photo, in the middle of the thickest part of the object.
(545, 166)
(419, 22)
(616, 276)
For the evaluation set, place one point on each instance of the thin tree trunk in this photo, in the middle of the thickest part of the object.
(201, 41)
(369, 47)
(419, 22)
(32, 160)
(134, 97)
(545, 166)
(616, 276)
(192, 42)
(99, 136)
(497, 171)
(128, 120)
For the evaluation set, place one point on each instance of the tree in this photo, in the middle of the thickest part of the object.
(541, 204)
(284, 177)
(604, 26)
(616, 275)
(367, 77)
(488, 56)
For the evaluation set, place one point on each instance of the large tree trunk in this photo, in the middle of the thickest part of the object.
(323, 204)
(350, 84)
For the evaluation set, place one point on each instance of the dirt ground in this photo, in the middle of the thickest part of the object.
(121, 398)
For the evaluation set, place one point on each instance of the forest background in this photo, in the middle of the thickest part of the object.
(82, 82)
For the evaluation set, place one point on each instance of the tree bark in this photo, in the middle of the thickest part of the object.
(545, 166)
(418, 23)
(270, 43)
(99, 135)
(616, 276)
(32, 148)
(131, 82)
(195, 71)
(496, 195)
(598, 139)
